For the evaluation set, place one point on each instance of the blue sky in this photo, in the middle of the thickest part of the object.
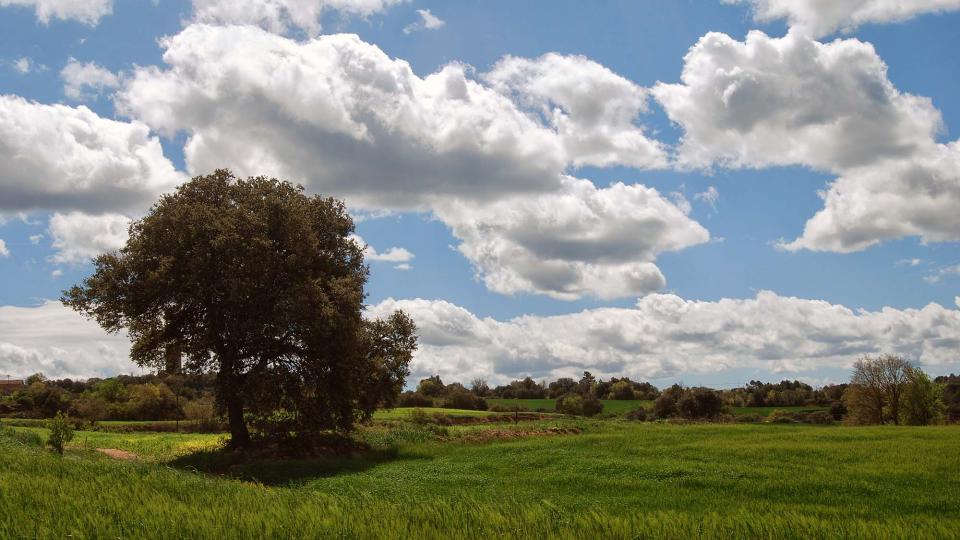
(759, 203)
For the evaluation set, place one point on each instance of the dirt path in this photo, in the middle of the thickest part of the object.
(118, 454)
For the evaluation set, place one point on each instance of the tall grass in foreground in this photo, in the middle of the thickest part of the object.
(617, 480)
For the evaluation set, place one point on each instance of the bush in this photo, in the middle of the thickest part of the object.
(700, 403)
(781, 417)
(748, 418)
(819, 417)
(638, 415)
(441, 419)
(414, 399)
(463, 399)
(665, 406)
(578, 405)
(418, 416)
(838, 410)
(61, 432)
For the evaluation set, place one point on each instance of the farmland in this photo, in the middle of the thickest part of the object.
(558, 477)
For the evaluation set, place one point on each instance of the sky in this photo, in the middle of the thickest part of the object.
(695, 191)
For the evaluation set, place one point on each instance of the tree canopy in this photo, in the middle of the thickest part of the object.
(255, 281)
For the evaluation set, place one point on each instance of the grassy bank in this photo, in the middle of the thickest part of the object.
(613, 480)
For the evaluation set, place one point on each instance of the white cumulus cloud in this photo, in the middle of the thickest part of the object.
(85, 80)
(664, 335)
(770, 101)
(58, 342)
(85, 11)
(79, 237)
(593, 110)
(339, 116)
(280, 16)
(428, 21)
(578, 241)
(4, 250)
(821, 17)
(64, 158)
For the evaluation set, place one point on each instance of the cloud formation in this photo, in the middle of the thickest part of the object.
(79, 237)
(662, 336)
(783, 101)
(428, 21)
(4, 250)
(86, 80)
(280, 16)
(593, 110)
(665, 335)
(85, 11)
(337, 115)
(822, 17)
(578, 241)
(57, 341)
(64, 158)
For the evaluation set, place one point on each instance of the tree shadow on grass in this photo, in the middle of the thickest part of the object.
(277, 471)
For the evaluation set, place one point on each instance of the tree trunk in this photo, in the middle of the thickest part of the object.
(239, 434)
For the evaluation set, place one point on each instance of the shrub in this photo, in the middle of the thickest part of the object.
(819, 417)
(578, 405)
(748, 418)
(700, 403)
(779, 416)
(61, 432)
(442, 419)
(463, 399)
(665, 406)
(592, 406)
(639, 415)
(414, 399)
(418, 416)
(570, 404)
(838, 410)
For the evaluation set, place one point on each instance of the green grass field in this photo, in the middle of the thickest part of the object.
(613, 480)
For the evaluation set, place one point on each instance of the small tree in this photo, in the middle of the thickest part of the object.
(61, 432)
(880, 385)
(921, 399)
(480, 387)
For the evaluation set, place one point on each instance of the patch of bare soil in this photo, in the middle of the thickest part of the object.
(118, 454)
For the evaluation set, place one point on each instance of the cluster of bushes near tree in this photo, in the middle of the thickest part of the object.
(125, 397)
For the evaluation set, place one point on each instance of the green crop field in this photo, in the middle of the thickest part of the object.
(613, 479)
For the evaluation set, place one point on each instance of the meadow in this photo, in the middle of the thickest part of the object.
(558, 477)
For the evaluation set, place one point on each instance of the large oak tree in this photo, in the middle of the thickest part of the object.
(261, 284)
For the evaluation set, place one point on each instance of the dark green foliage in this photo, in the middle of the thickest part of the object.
(838, 410)
(431, 386)
(689, 403)
(61, 432)
(579, 405)
(261, 285)
(525, 388)
(414, 399)
(950, 395)
(461, 398)
(700, 403)
(921, 399)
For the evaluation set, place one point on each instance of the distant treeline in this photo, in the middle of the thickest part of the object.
(908, 397)
(125, 397)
